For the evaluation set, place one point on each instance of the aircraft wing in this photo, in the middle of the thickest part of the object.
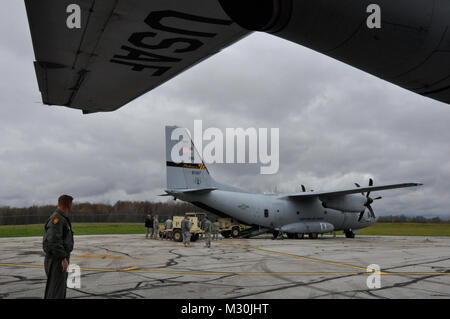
(190, 191)
(356, 190)
(122, 48)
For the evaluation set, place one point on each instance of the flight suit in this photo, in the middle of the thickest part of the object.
(57, 245)
(148, 227)
(207, 227)
(186, 230)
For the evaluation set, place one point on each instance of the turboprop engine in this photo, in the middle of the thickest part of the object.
(353, 203)
(405, 42)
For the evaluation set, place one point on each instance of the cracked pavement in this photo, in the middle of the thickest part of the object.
(129, 266)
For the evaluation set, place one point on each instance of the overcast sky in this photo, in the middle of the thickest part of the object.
(338, 126)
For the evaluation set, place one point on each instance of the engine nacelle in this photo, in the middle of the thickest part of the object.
(353, 203)
(410, 47)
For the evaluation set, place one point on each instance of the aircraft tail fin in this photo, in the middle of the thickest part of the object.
(185, 167)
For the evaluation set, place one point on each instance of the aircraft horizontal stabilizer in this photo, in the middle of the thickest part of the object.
(356, 190)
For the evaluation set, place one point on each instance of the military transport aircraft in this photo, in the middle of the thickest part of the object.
(297, 214)
(99, 55)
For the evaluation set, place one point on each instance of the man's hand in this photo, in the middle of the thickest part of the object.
(65, 265)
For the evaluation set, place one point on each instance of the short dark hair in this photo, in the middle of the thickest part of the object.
(65, 201)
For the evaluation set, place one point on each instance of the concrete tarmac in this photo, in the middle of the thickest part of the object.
(130, 266)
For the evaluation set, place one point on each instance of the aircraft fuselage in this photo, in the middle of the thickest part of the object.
(272, 212)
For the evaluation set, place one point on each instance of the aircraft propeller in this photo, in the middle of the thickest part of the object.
(368, 202)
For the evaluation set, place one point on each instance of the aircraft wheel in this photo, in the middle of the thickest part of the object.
(300, 236)
(275, 234)
(226, 234)
(177, 235)
(349, 234)
(235, 232)
(313, 235)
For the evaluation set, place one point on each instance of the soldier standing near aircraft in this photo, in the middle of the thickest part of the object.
(57, 245)
(148, 225)
(216, 228)
(168, 224)
(186, 230)
(207, 227)
(155, 227)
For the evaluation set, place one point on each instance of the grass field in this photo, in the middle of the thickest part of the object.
(379, 229)
(78, 229)
(407, 229)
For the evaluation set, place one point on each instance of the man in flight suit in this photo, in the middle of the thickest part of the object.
(148, 226)
(57, 245)
(186, 230)
(207, 227)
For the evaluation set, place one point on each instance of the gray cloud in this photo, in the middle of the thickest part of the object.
(337, 124)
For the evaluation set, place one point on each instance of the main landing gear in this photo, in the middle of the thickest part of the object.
(349, 234)
(277, 234)
(301, 235)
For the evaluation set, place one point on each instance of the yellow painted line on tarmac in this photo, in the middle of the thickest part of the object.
(247, 273)
(27, 266)
(295, 256)
(415, 273)
(135, 269)
(130, 268)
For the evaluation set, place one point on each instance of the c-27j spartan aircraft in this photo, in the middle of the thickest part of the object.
(312, 213)
(97, 56)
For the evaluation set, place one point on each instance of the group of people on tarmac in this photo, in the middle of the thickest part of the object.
(211, 230)
(152, 227)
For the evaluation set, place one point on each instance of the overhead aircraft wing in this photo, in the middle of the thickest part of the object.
(190, 191)
(122, 48)
(356, 190)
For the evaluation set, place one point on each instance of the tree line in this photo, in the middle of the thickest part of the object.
(135, 212)
(122, 211)
(412, 219)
